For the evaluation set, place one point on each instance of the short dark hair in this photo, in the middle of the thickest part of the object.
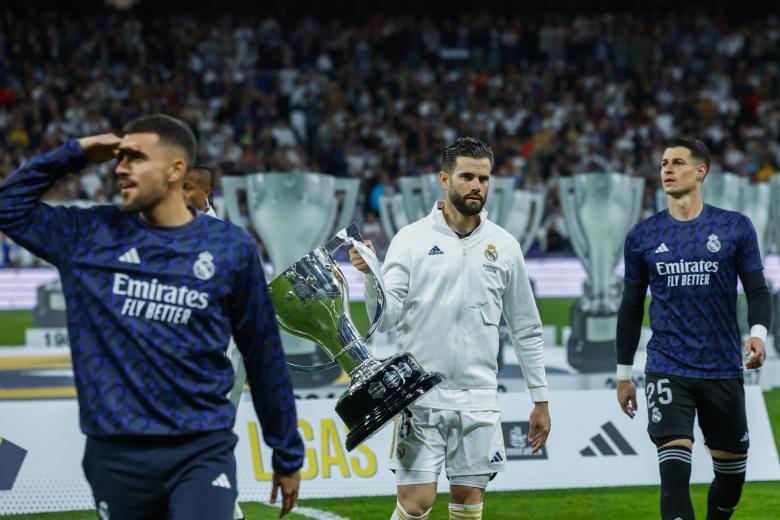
(206, 171)
(465, 147)
(171, 130)
(698, 149)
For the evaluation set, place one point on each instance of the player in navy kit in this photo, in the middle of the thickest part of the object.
(690, 256)
(151, 304)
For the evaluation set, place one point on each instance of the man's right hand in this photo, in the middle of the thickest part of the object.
(100, 148)
(357, 260)
(626, 394)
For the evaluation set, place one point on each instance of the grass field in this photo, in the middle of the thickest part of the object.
(554, 311)
(760, 500)
(13, 325)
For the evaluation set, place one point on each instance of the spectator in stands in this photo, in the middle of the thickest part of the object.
(300, 93)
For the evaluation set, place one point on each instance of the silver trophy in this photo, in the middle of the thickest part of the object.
(599, 209)
(418, 193)
(524, 216)
(293, 213)
(311, 301)
(392, 213)
(500, 198)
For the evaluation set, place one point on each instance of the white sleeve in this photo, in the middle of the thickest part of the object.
(525, 328)
(395, 272)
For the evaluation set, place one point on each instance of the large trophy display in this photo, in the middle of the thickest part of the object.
(417, 195)
(311, 301)
(599, 209)
(523, 218)
(293, 213)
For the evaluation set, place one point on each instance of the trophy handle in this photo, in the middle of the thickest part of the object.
(350, 189)
(351, 236)
(567, 194)
(415, 202)
(538, 199)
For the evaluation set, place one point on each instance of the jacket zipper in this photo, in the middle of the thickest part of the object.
(456, 357)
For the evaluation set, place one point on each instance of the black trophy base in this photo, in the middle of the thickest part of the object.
(367, 406)
(591, 346)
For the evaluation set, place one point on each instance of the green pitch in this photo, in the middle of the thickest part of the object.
(13, 325)
(554, 311)
(760, 500)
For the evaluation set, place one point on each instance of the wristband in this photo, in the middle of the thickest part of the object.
(758, 331)
(624, 372)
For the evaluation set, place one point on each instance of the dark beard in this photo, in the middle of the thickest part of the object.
(461, 205)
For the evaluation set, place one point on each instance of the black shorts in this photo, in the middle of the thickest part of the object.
(139, 478)
(673, 401)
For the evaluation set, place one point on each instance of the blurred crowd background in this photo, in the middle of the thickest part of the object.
(377, 97)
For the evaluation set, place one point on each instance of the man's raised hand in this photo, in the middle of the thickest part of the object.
(100, 148)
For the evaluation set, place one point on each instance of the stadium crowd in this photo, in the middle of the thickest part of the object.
(377, 99)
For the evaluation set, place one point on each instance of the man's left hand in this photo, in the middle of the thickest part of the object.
(539, 426)
(289, 485)
(758, 348)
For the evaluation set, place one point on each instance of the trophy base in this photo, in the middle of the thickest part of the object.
(372, 402)
(591, 346)
(590, 357)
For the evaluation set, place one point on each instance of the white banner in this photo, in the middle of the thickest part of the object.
(592, 445)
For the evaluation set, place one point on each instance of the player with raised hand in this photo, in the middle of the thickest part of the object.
(151, 303)
(691, 256)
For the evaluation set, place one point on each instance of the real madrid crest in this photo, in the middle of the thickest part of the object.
(203, 267)
(491, 253)
(713, 244)
(400, 451)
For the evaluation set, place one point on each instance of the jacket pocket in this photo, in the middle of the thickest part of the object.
(491, 315)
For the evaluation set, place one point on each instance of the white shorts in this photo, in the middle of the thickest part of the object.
(464, 442)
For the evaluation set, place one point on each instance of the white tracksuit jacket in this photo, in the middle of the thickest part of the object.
(446, 295)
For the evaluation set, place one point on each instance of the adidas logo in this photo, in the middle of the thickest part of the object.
(745, 437)
(130, 257)
(221, 481)
(497, 458)
(435, 251)
(661, 249)
(599, 443)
